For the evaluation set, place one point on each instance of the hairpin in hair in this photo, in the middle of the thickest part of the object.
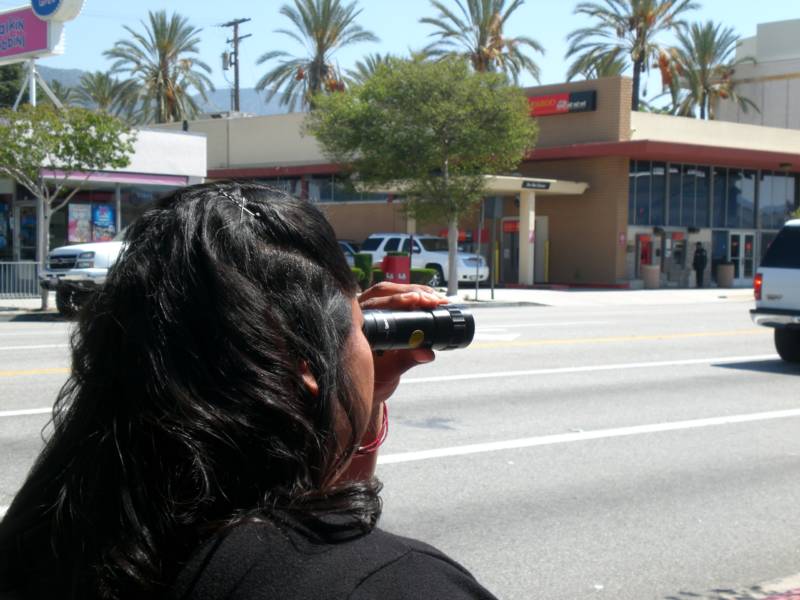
(239, 201)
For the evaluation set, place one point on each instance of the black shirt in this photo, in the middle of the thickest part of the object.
(264, 560)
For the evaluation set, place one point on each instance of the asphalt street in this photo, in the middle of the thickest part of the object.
(625, 452)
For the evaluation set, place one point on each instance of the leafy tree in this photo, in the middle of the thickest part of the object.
(596, 64)
(322, 26)
(163, 61)
(477, 34)
(106, 93)
(430, 129)
(701, 70)
(626, 28)
(65, 144)
(11, 78)
(64, 94)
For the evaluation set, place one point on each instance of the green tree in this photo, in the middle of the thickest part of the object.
(104, 92)
(64, 94)
(163, 61)
(702, 68)
(477, 35)
(431, 130)
(365, 68)
(321, 26)
(626, 28)
(65, 145)
(11, 78)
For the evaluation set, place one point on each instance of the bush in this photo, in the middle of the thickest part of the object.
(377, 276)
(422, 276)
(394, 253)
(363, 261)
(358, 274)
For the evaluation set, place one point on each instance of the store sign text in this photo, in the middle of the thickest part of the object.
(559, 104)
(22, 32)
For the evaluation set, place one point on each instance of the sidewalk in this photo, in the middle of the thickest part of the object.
(508, 297)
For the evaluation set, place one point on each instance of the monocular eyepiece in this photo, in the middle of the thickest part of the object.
(443, 328)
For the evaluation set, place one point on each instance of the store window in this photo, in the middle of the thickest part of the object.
(646, 193)
(720, 196)
(6, 243)
(776, 199)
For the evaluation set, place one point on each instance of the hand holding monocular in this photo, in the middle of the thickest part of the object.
(445, 327)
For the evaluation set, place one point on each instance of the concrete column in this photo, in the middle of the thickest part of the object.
(411, 225)
(527, 238)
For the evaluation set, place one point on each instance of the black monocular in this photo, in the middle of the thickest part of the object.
(443, 328)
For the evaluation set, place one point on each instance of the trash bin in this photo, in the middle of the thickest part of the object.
(396, 268)
(651, 275)
(725, 275)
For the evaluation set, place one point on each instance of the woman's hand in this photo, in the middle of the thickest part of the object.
(390, 365)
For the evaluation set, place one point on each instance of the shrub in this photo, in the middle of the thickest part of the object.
(422, 276)
(363, 261)
(358, 274)
(377, 275)
(394, 253)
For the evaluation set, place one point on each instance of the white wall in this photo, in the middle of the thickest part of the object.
(169, 153)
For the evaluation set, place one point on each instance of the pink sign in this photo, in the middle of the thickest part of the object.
(22, 33)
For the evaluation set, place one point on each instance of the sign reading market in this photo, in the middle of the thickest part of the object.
(35, 31)
(560, 104)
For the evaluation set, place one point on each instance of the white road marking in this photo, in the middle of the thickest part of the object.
(542, 324)
(484, 336)
(564, 438)
(3, 511)
(589, 368)
(39, 347)
(26, 411)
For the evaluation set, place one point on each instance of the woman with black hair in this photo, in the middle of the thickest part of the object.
(217, 436)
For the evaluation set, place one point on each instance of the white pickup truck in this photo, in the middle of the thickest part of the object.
(777, 291)
(430, 252)
(74, 271)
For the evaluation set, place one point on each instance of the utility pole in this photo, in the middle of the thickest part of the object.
(233, 59)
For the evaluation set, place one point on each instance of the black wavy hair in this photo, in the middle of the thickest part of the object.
(186, 411)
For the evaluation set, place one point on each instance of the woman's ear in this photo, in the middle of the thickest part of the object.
(308, 379)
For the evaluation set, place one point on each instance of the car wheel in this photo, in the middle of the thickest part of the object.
(438, 276)
(787, 343)
(67, 301)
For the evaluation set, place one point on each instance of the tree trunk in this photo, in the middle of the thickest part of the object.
(452, 256)
(637, 81)
(703, 100)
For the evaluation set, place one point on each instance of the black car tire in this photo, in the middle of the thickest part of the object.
(68, 301)
(787, 343)
(438, 277)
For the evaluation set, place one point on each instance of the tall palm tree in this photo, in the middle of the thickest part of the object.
(365, 68)
(65, 94)
(322, 26)
(597, 64)
(702, 69)
(106, 93)
(163, 61)
(477, 34)
(630, 26)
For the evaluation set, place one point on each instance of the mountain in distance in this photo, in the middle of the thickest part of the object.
(250, 101)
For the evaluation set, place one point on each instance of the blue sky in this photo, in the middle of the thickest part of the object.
(395, 22)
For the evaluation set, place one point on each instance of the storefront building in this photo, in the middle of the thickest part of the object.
(656, 186)
(107, 202)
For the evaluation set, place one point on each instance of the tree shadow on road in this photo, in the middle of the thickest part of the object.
(755, 592)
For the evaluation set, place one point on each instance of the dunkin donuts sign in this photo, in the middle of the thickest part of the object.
(559, 104)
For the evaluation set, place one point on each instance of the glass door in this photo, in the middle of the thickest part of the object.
(25, 228)
(743, 256)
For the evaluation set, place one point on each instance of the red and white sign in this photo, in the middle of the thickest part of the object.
(559, 104)
(510, 226)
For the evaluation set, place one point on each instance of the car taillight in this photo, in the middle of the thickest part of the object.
(758, 282)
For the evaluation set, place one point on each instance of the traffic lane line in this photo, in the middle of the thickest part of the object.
(762, 331)
(25, 411)
(32, 372)
(583, 436)
(37, 347)
(590, 368)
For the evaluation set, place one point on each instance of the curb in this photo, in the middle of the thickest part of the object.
(31, 316)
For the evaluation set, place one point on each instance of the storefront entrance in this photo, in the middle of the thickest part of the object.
(741, 248)
(24, 227)
(509, 251)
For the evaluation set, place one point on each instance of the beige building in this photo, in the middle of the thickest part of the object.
(656, 185)
(772, 81)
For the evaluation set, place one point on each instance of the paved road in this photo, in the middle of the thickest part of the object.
(625, 452)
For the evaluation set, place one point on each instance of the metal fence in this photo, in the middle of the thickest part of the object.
(19, 280)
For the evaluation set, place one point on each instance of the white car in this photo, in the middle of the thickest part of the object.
(74, 271)
(429, 252)
(777, 291)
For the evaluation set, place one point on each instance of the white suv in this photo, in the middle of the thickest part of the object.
(429, 252)
(777, 291)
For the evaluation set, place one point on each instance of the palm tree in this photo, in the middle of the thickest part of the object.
(65, 94)
(162, 61)
(322, 26)
(702, 68)
(366, 68)
(597, 64)
(629, 26)
(477, 34)
(108, 94)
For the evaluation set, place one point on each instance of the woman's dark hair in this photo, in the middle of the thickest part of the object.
(186, 411)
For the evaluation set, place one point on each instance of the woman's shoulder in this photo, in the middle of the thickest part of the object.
(252, 559)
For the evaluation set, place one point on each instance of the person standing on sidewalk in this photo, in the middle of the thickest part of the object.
(699, 263)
